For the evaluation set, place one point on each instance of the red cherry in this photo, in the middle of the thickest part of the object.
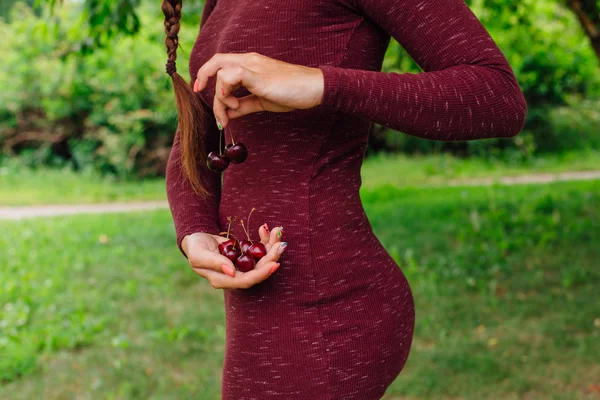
(227, 243)
(245, 263)
(257, 250)
(246, 244)
(237, 152)
(216, 162)
(231, 252)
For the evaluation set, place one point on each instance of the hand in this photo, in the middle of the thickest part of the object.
(275, 85)
(202, 250)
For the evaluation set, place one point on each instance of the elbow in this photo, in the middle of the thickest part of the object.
(510, 114)
(518, 113)
(514, 105)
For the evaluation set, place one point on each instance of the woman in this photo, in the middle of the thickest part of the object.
(299, 83)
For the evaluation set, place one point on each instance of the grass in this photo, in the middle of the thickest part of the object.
(505, 281)
(21, 186)
(24, 187)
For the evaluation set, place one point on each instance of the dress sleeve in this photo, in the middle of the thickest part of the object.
(192, 213)
(467, 89)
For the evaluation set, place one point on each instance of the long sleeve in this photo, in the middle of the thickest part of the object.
(467, 89)
(192, 213)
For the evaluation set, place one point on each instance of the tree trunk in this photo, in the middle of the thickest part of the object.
(588, 13)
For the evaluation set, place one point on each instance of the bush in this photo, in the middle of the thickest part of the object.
(114, 111)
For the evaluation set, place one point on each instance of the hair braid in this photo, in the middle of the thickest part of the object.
(189, 109)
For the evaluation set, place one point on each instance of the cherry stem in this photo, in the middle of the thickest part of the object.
(244, 228)
(231, 135)
(238, 242)
(230, 219)
(249, 215)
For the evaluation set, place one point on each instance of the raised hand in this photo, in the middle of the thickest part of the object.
(275, 85)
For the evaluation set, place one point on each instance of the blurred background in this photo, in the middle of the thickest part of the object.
(500, 238)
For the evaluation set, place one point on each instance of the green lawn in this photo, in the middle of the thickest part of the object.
(506, 283)
(20, 186)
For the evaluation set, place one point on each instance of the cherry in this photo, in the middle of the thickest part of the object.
(245, 245)
(244, 253)
(257, 250)
(236, 152)
(231, 252)
(216, 162)
(227, 243)
(245, 263)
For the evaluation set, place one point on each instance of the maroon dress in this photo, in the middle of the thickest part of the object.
(335, 322)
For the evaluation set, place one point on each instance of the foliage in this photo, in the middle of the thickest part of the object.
(114, 111)
(103, 20)
(502, 279)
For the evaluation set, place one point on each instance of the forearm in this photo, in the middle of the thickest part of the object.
(463, 102)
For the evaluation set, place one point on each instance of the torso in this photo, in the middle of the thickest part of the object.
(339, 309)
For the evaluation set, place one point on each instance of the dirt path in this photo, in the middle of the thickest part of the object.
(17, 213)
(527, 179)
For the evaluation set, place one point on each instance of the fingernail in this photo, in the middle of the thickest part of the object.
(228, 270)
(196, 85)
(219, 126)
(282, 247)
(280, 232)
(274, 268)
(266, 228)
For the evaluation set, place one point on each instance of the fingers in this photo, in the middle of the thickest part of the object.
(228, 80)
(270, 238)
(263, 232)
(275, 236)
(246, 105)
(242, 280)
(220, 113)
(225, 104)
(217, 62)
(272, 255)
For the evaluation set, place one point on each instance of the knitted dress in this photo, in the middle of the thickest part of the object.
(335, 322)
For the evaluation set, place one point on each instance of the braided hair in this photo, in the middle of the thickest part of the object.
(189, 108)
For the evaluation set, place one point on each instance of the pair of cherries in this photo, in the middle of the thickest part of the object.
(234, 152)
(244, 254)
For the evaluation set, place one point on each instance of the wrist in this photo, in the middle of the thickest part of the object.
(319, 86)
(334, 80)
(184, 244)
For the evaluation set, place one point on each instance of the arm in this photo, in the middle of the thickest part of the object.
(192, 213)
(467, 90)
